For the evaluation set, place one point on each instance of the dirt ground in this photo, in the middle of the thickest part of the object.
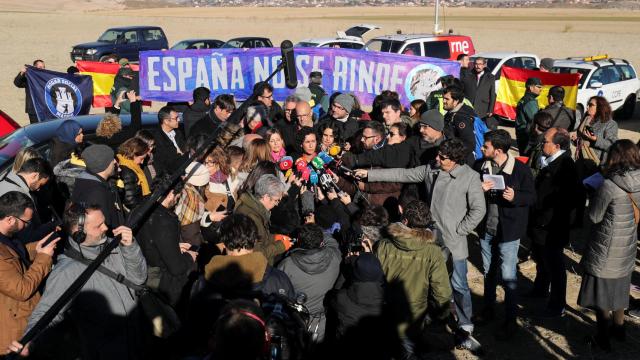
(37, 29)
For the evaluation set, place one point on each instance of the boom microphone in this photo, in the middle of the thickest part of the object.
(290, 75)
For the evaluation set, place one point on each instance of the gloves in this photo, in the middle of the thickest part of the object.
(286, 240)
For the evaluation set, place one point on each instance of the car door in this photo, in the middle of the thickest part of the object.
(612, 85)
(152, 39)
(414, 49)
(437, 49)
(130, 46)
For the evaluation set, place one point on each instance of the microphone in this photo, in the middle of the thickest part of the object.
(335, 150)
(317, 163)
(327, 182)
(290, 75)
(306, 173)
(300, 166)
(313, 178)
(286, 163)
(326, 158)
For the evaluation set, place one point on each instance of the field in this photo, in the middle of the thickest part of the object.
(47, 30)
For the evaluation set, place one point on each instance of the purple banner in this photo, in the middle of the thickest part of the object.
(172, 75)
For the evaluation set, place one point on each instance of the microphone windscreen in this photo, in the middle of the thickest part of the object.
(286, 163)
(326, 158)
(335, 150)
(301, 165)
(313, 177)
(317, 163)
(290, 75)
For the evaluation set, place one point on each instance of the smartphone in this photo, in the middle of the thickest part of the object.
(589, 129)
(194, 248)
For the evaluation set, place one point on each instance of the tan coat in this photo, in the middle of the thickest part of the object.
(19, 291)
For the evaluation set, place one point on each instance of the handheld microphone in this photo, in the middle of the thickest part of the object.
(306, 173)
(290, 75)
(313, 178)
(317, 163)
(326, 158)
(327, 182)
(300, 166)
(286, 163)
(335, 150)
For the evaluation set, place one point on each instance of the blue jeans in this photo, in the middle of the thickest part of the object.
(462, 294)
(505, 255)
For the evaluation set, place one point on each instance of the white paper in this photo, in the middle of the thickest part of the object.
(497, 180)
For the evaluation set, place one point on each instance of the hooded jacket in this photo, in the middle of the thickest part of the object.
(459, 123)
(611, 250)
(416, 275)
(250, 206)
(103, 309)
(93, 190)
(314, 272)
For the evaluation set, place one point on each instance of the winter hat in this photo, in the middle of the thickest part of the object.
(97, 157)
(123, 62)
(367, 268)
(546, 63)
(67, 131)
(200, 176)
(303, 93)
(346, 101)
(432, 119)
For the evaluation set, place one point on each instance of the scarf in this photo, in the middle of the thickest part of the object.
(142, 179)
(276, 156)
(218, 177)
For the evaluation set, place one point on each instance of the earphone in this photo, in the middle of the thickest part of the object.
(79, 235)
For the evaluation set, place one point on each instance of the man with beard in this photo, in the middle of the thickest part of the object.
(456, 200)
(525, 110)
(480, 88)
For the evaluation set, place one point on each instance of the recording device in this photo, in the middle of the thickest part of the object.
(589, 129)
(355, 238)
(194, 248)
(290, 75)
(317, 163)
(326, 181)
(286, 163)
(335, 150)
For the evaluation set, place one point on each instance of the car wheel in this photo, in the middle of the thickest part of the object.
(626, 111)
(104, 58)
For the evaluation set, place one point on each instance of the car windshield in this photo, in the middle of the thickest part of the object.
(180, 46)
(384, 45)
(569, 70)
(11, 143)
(233, 44)
(110, 36)
(306, 44)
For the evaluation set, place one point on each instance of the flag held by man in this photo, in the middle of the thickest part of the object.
(57, 95)
(512, 87)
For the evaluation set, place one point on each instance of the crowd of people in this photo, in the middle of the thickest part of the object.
(314, 227)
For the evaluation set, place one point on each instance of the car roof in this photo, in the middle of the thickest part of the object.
(324, 40)
(35, 134)
(244, 38)
(196, 40)
(404, 37)
(143, 27)
(501, 54)
(582, 64)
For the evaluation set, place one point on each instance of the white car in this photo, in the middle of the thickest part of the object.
(348, 39)
(496, 60)
(614, 79)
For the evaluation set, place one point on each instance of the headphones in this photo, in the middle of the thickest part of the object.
(79, 235)
(267, 336)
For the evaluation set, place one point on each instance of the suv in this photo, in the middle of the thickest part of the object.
(437, 46)
(121, 42)
(348, 39)
(496, 60)
(614, 79)
(247, 43)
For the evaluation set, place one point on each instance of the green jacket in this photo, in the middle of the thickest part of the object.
(250, 206)
(435, 102)
(525, 110)
(416, 276)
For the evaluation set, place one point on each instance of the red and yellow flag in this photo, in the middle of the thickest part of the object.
(512, 87)
(103, 75)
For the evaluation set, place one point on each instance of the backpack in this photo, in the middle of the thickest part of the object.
(479, 129)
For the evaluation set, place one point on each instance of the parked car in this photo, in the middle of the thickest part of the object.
(348, 39)
(614, 79)
(496, 60)
(437, 46)
(249, 42)
(197, 44)
(121, 42)
(38, 135)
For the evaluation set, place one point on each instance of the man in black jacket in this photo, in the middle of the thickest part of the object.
(200, 109)
(169, 261)
(265, 96)
(480, 88)
(170, 142)
(563, 117)
(341, 116)
(92, 185)
(555, 184)
(458, 121)
(223, 106)
(21, 82)
(506, 223)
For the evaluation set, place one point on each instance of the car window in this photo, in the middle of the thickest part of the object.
(307, 44)
(389, 46)
(233, 44)
(412, 49)
(198, 45)
(606, 75)
(152, 34)
(567, 70)
(260, 43)
(131, 37)
(110, 36)
(180, 46)
(529, 63)
(437, 49)
(626, 72)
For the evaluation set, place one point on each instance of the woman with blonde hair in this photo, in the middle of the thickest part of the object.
(258, 150)
(134, 185)
(110, 131)
(22, 156)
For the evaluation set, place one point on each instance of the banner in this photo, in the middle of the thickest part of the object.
(512, 88)
(103, 75)
(173, 75)
(59, 95)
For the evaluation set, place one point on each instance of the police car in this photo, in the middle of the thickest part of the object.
(348, 39)
(614, 79)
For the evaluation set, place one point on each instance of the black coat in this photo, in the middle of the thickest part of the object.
(193, 114)
(411, 153)
(60, 151)
(358, 301)
(556, 186)
(93, 190)
(165, 155)
(288, 131)
(131, 193)
(512, 216)
(459, 124)
(158, 239)
(21, 82)
(347, 128)
(206, 125)
(482, 94)
(127, 132)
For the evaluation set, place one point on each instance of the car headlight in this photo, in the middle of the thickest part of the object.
(92, 51)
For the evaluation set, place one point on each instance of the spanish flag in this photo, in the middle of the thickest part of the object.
(103, 75)
(512, 88)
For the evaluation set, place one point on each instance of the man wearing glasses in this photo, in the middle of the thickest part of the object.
(265, 96)
(169, 140)
(340, 115)
(527, 107)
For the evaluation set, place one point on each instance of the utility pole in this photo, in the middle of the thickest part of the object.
(436, 22)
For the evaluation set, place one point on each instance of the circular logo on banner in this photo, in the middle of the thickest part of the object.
(63, 98)
(421, 81)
